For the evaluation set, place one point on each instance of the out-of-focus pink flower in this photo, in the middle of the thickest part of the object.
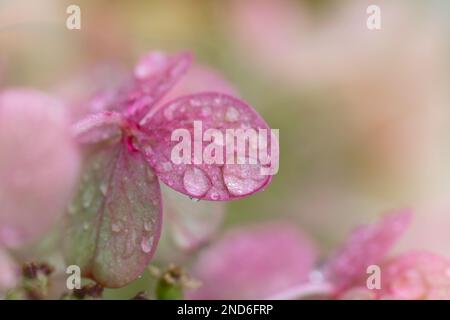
(410, 276)
(276, 261)
(413, 275)
(365, 246)
(254, 263)
(38, 164)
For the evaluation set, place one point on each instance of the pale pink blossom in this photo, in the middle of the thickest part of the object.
(39, 164)
(255, 263)
(276, 261)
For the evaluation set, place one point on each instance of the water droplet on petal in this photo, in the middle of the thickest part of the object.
(195, 181)
(194, 199)
(232, 114)
(103, 188)
(116, 227)
(195, 103)
(148, 150)
(206, 111)
(215, 196)
(166, 166)
(169, 110)
(217, 101)
(147, 244)
(243, 179)
(72, 208)
(87, 198)
(148, 225)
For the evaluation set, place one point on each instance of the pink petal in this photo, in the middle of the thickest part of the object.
(98, 127)
(189, 225)
(114, 221)
(367, 245)
(254, 263)
(207, 181)
(155, 74)
(39, 164)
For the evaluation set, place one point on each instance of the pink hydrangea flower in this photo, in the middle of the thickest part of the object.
(276, 262)
(262, 262)
(39, 163)
(115, 219)
(412, 275)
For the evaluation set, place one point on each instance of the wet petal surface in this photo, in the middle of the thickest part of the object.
(208, 174)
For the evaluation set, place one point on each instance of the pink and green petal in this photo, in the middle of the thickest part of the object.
(114, 222)
(99, 127)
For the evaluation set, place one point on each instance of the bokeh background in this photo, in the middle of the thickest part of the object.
(364, 116)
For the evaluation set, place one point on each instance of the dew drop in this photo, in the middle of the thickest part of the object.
(243, 179)
(217, 101)
(232, 114)
(148, 225)
(195, 103)
(206, 111)
(148, 150)
(103, 188)
(87, 198)
(195, 181)
(166, 166)
(194, 199)
(116, 227)
(72, 208)
(215, 196)
(169, 111)
(147, 244)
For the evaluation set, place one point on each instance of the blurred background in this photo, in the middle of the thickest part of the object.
(364, 115)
